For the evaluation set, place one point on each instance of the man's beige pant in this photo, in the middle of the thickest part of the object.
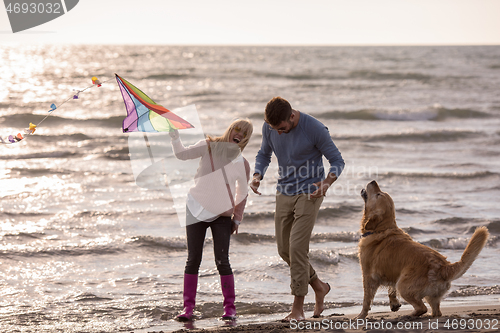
(294, 220)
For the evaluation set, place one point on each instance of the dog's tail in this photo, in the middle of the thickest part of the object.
(454, 271)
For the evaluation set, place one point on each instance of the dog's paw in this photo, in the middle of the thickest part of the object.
(362, 315)
(395, 307)
(419, 312)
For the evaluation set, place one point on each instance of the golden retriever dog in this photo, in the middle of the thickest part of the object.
(390, 257)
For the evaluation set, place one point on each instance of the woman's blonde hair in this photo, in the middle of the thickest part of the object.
(245, 125)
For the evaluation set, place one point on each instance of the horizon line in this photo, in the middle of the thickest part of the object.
(254, 45)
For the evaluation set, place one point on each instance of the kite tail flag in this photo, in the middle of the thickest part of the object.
(144, 115)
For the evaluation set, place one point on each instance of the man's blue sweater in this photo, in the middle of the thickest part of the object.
(300, 155)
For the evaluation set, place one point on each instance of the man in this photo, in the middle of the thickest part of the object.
(299, 142)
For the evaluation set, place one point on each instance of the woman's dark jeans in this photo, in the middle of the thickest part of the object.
(221, 234)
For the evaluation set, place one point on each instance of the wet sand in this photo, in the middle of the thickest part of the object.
(477, 318)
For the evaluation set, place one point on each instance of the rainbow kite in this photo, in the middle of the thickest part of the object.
(144, 115)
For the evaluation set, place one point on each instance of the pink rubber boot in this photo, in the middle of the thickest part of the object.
(190, 285)
(227, 284)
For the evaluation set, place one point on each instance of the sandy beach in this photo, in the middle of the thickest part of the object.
(478, 318)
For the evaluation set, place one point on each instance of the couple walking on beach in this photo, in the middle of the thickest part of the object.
(299, 142)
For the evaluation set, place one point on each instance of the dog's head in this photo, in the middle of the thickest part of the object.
(380, 213)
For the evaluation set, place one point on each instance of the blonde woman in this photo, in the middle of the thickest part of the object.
(216, 201)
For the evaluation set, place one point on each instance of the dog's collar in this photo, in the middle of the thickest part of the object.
(368, 233)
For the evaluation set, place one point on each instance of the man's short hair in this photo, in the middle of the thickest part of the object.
(277, 110)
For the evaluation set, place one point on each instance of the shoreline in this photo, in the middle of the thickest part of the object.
(470, 318)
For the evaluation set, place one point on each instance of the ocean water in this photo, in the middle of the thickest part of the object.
(84, 248)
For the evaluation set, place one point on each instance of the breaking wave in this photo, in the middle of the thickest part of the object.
(431, 114)
(421, 137)
(475, 291)
(324, 213)
(448, 243)
(443, 175)
(324, 256)
(249, 238)
(177, 244)
(344, 236)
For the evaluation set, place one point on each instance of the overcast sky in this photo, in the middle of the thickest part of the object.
(269, 22)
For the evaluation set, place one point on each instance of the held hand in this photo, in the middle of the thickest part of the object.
(234, 228)
(174, 134)
(254, 185)
(322, 187)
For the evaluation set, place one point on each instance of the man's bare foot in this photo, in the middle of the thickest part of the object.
(321, 289)
(293, 316)
(297, 310)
